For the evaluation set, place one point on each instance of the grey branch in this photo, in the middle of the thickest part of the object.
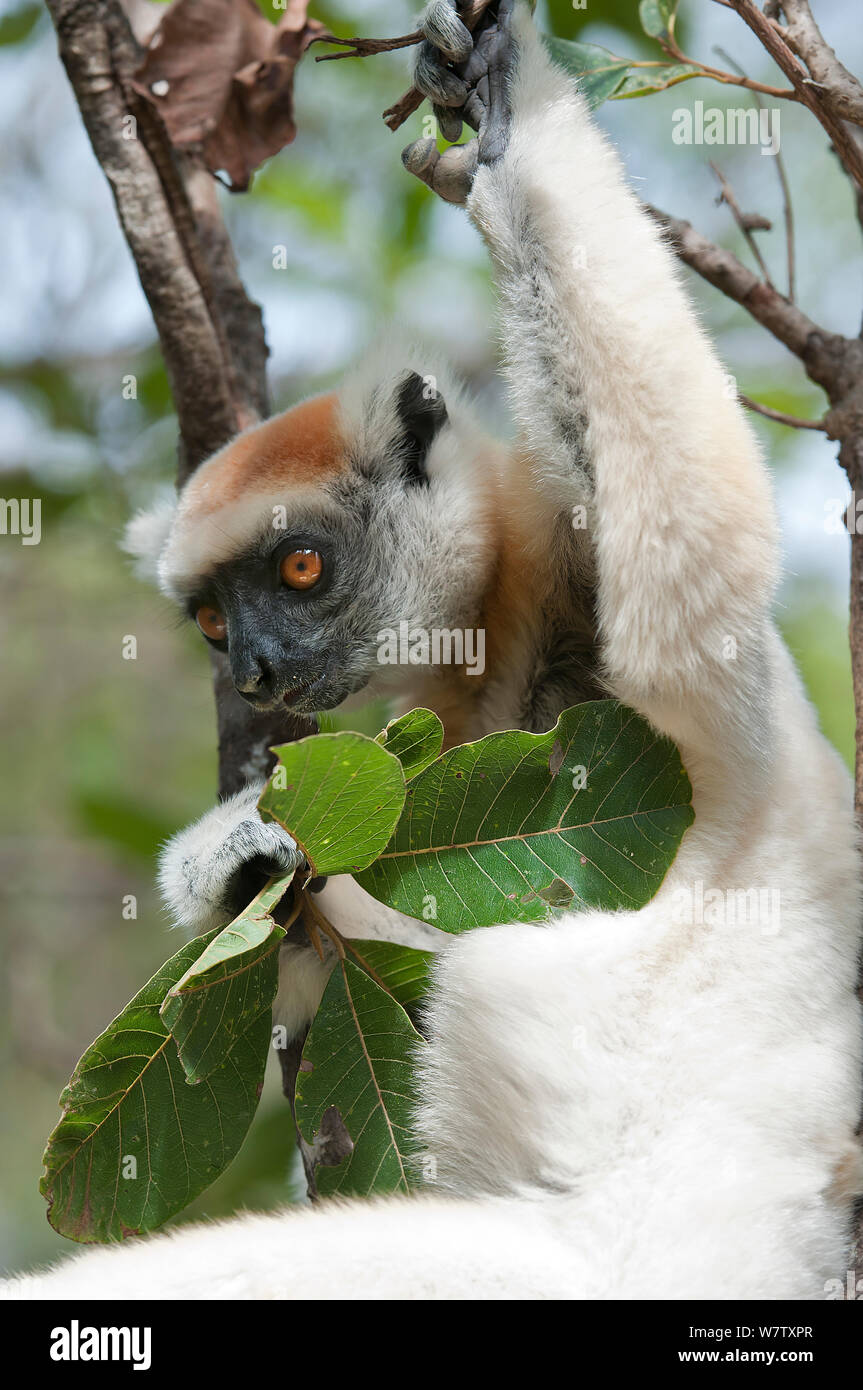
(809, 93)
(838, 86)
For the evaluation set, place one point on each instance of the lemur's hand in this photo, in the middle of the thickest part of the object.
(212, 869)
(466, 78)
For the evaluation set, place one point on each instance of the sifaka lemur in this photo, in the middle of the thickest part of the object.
(619, 1105)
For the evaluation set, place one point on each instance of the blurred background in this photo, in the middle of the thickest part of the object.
(102, 757)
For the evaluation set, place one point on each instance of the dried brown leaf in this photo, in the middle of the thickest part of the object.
(221, 76)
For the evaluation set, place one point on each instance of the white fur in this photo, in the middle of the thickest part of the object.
(198, 864)
(146, 535)
(633, 1104)
(195, 545)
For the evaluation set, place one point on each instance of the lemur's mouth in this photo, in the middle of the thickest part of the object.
(326, 692)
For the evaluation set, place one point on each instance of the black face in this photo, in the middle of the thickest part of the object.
(297, 613)
(268, 611)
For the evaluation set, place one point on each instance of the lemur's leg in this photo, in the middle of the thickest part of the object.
(618, 396)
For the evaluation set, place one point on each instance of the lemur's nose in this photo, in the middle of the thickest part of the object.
(254, 676)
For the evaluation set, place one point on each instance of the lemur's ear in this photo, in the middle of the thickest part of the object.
(145, 537)
(422, 413)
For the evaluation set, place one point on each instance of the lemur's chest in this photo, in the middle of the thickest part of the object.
(541, 632)
(538, 661)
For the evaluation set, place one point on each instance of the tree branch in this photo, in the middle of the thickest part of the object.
(210, 332)
(745, 222)
(839, 87)
(770, 35)
(725, 272)
(787, 208)
(780, 416)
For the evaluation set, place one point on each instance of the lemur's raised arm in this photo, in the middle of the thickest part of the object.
(617, 392)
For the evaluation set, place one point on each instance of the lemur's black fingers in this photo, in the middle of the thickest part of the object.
(473, 111)
(443, 87)
(496, 47)
(443, 28)
(449, 122)
(450, 174)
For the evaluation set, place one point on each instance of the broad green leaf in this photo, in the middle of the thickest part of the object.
(402, 969)
(657, 17)
(135, 1144)
(416, 740)
(355, 1083)
(599, 72)
(339, 795)
(230, 984)
(589, 814)
(649, 78)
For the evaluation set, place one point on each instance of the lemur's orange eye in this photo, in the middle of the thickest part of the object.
(301, 569)
(212, 623)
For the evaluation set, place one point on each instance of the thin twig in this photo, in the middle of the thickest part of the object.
(787, 210)
(808, 91)
(314, 937)
(342, 943)
(322, 921)
(744, 223)
(779, 415)
(366, 48)
(670, 46)
(471, 12)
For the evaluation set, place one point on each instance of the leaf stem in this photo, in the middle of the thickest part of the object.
(340, 942)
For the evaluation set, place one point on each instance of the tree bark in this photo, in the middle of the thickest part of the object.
(210, 332)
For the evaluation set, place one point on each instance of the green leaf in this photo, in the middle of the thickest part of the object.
(135, 1144)
(19, 23)
(339, 795)
(599, 72)
(497, 830)
(643, 81)
(566, 20)
(232, 982)
(416, 740)
(657, 17)
(354, 1088)
(402, 969)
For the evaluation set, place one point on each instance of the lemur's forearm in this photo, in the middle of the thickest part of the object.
(615, 386)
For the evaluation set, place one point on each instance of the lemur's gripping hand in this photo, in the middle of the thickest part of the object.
(212, 869)
(466, 77)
